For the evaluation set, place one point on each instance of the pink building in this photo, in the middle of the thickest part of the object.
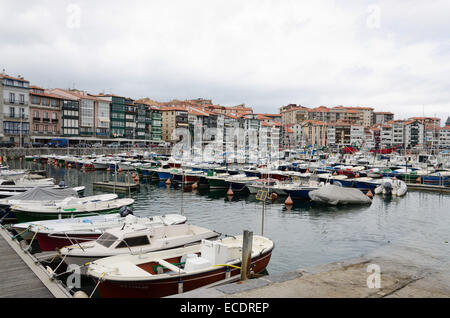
(45, 114)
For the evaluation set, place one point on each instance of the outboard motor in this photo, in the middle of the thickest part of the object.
(62, 184)
(387, 188)
(124, 211)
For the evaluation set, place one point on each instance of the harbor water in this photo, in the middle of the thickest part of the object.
(305, 235)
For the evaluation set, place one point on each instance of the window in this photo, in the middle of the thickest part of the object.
(53, 116)
(106, 239)
(134, 241)
(55, 102)
(12, 98)
(11, 112)
(22, 99)
(45, 101)
(35, 114)
(45, 115)
(35, 100)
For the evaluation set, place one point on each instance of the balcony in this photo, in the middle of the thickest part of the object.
(15, 117)
(36, 119)
(46, 120)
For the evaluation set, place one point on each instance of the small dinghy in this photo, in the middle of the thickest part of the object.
(334, 195)
(393, 187)
(136, 239)
(165, 273)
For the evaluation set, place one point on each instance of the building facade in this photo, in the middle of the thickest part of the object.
(14, 107)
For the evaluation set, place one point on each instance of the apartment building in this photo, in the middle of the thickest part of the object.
(382, 117)
(315, 133)
(45, 111)
(414, 133)
(14, 109)
(70, 112)
(444, 136)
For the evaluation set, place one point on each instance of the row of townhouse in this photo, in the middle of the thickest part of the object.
(296, 114)
(29, 113)
(415, 132)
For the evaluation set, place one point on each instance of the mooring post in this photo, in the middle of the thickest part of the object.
(247, 241)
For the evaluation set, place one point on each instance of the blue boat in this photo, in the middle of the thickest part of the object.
(300, 193)
(365, 185)
(163, 175)
(436, 180)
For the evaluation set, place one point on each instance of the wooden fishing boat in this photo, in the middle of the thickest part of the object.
(169, 272)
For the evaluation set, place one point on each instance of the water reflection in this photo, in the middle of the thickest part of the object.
(306, 233)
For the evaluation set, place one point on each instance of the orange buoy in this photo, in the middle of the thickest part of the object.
(230, 192)
(34, 160)
(418, 180)
(274, 196)
(335, 173)
(119, 170)
(168, 181)
(394, 178)
(133, 175)
(194, 186)
(288, 201)
(357, 175)
(369, 194)
(108, 169)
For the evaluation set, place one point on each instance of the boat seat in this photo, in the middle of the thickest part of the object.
(169, 266)
(129, 269)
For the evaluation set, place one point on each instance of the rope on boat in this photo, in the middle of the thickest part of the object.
(20, 234)
(98, 283)
(229, 265)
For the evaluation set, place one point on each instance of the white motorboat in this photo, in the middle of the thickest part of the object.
(135, 239)
(53, 234)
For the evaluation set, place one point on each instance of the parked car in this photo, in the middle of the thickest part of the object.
(141, 145)
(127, 145)
(83, 145)
(114, 145)
(97, 145)
(37, 145)
(7, 144)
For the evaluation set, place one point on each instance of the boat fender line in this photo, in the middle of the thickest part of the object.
(20, 234)
(98, 283)
(228, 265)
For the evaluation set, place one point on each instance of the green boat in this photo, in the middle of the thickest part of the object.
(30, 213)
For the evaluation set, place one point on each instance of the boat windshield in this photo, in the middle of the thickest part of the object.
(106, 239)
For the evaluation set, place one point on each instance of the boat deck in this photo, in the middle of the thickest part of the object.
(117, 186)
(20, 276)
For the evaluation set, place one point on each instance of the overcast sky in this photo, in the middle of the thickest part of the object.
(390, 55)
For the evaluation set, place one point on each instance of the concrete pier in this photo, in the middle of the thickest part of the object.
(404, 272)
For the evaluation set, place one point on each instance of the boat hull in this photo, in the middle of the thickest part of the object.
(23, 216)
(169, 286)
(52, 243)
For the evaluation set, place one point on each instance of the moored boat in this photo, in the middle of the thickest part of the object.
(136, 239)
(160, 274)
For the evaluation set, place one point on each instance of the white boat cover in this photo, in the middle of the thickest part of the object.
(45, 194)
(334, 195)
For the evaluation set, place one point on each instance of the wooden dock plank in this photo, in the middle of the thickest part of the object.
(17, 278)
